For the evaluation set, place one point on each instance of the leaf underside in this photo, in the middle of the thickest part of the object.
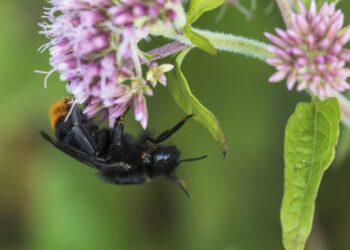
(183, 96)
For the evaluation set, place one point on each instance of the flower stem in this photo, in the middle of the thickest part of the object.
(344, 107)
(166, 50)
(221, 41)
(286, 11)
(236, 44)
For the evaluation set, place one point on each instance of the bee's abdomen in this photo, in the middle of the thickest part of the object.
(109, 175)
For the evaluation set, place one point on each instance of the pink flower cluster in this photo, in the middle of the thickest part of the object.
(94, 45)
(130, 10)
(311, 53)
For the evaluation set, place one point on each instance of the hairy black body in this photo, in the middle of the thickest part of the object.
(118, 157)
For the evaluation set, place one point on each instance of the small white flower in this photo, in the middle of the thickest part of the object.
(157, 73)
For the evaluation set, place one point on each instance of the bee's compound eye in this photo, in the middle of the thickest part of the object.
(162, 157)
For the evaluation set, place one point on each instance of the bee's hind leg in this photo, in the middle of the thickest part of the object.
(102, 139)
(80, 135)
(116, 137)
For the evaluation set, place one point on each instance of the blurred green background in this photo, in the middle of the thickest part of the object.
(49, 201)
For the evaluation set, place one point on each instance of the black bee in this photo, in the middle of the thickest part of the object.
(118, 157)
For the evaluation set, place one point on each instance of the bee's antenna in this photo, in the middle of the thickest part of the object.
(180, 183)
(194, 159)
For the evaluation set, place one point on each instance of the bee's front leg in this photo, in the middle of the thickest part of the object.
(166, 134)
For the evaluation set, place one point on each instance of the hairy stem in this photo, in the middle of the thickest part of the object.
(236, 44)
(221, 41)
(286, 11)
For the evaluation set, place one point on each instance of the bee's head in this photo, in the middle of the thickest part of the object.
(165, 161)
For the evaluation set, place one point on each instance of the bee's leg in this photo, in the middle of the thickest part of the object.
(166, 134)
(63, 128)
(116, 137)
(75, 116)
(102, 139)
(80, 135)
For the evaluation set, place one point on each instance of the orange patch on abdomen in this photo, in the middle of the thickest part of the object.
(58, 112)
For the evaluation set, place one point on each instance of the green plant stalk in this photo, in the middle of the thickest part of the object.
(344, 107)
(220, 41)
(286, 11)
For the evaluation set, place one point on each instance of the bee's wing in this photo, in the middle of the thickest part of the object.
(92, 161)
(74, 153)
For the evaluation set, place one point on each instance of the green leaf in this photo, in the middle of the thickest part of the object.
(198, 7)
(310, 140)
(199, 40)
(183, 96)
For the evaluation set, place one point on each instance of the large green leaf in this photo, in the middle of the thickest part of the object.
(310, 140)
(183, 96)
(198, 7)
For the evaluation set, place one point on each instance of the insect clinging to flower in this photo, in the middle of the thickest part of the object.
(118, 157)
